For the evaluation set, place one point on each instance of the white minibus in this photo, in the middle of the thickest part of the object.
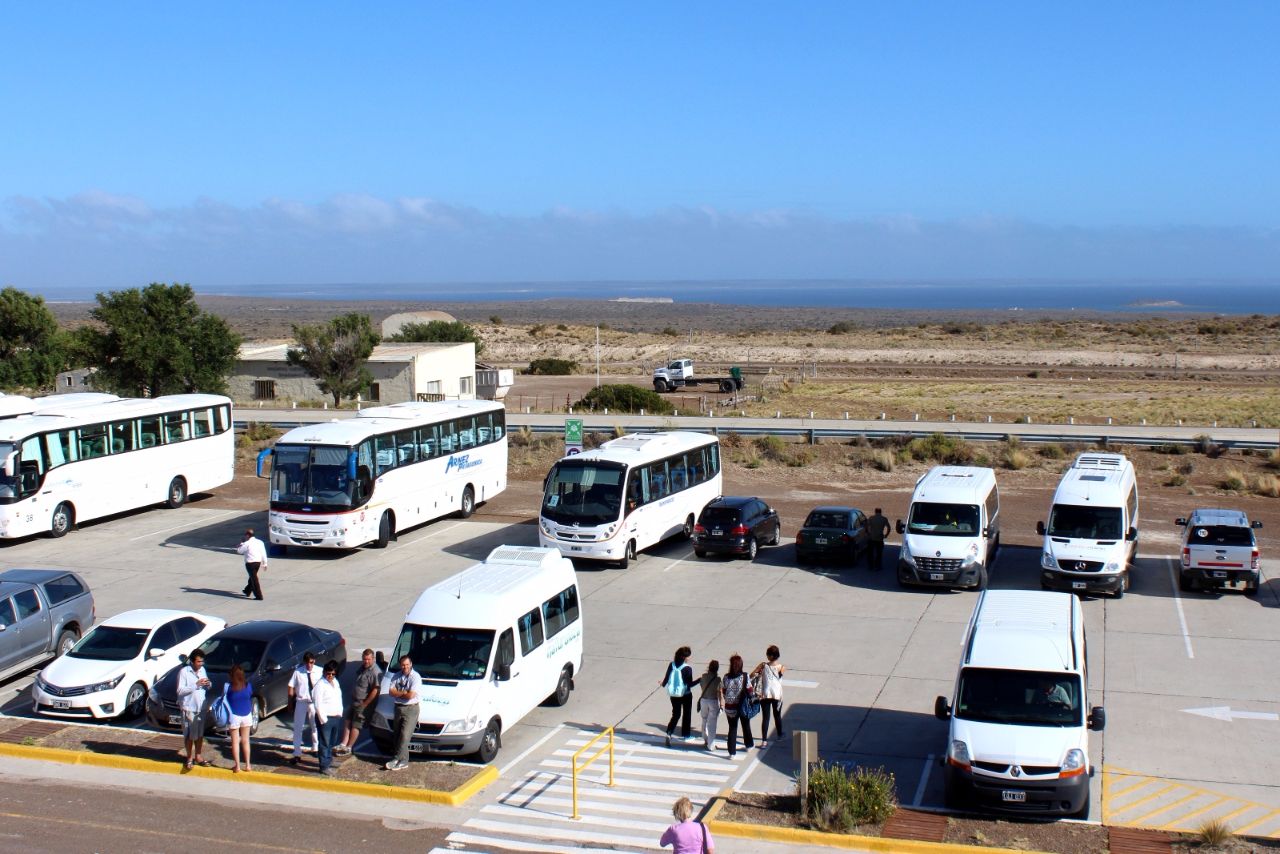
(952, 529)
(1019, 739)
(1092, 535)
(342, 484)
(490, 644)
(63, 465)
(628, 494)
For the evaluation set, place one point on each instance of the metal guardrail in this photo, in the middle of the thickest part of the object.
(587, 763)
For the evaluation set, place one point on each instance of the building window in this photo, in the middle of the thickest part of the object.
(375, 393)
(264, 389)
(433, 387)
(71, 381)
(464, 384)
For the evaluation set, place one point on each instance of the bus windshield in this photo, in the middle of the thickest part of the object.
(311, 475)
(588, 492)
(1085, 523)
(8, 482)
(444, 653)
(1019, 697)
(944, 520)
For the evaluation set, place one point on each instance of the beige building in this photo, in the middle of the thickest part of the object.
(401, 372)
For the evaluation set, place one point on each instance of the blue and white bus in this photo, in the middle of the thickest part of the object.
(343, 484)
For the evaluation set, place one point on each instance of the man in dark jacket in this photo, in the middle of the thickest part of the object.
(877, 529)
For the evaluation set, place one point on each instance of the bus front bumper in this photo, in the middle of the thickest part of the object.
(608, 550)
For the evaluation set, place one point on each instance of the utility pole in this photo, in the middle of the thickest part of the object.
(597, 357)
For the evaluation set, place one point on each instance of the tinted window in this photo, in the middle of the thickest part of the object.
(506, 649)
(166, 637)
(279, 652)
(302, 640)
(110, 643)
(220, 653)
(530, 626)
(6, 613)
(1220, 535)
(560, 610)
(61, 589)
(826, 519)
(720, 516)
(187, 628)
(27, 603)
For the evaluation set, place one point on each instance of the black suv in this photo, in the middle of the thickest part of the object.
(736, 526)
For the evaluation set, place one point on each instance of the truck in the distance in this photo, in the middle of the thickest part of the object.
(679, 373)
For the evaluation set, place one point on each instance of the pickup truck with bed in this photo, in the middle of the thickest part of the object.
(43, 612)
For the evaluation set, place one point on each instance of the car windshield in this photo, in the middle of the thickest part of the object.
(1027, 697)
(944, 520)
(1085, 523)
(583, 491)
(444, 653)
(222, 652)
(827, 519)
(111, 643)
(311, 475)
(8, 483)
(1220, 535)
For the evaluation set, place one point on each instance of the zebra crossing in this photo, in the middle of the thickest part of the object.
(535, 812)
(1139, 800)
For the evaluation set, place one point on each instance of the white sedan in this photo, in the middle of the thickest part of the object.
(108, 673)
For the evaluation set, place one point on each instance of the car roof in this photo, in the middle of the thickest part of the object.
(260, 629)
(140, 618)
(730, 501)
(32, 576)
(1218, 516)
(831, 508)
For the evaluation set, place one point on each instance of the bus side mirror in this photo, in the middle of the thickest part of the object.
(1180, 522)
(504, 672)
(902, 529)
(1040, 527)
(1131, 535)
(1098, 719)
(262, 455)
(941, 709)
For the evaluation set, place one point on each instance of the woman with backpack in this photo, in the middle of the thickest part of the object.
(678, 680)
(733, 692)
(709, 703)
(769, 672)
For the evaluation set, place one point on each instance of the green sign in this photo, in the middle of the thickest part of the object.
(572, 436)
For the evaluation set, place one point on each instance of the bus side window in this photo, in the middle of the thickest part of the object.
(466, 433)
(427, 444)
(713, 460)
(484, 428)
(32, 467)
(499, 424)
(149, 431)
(93, 441)
(222, 418)
(201, 422)
(386, 453)
(121, 437)
(176, 427)
(448, 441)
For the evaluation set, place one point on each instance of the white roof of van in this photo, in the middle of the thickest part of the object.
(639, 448)
(955, 484)
(479, 595)
(1023, 630)
(1093, 477)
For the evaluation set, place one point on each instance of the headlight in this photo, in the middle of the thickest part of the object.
(972, 557)
(1113, 567)
(470, 724)
(546, 527)
(960, 754)
(1074, 764)
(154, 696)
(105, 686)
(904, 555)
(41, 684)
(1047, 561)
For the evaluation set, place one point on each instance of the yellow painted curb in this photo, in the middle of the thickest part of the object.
(454, 798)
(796, 835)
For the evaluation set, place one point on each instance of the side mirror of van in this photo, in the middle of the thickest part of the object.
(1180, 522)
(504, 672)
(1040, 527)
(1255, 524)
(380, 659)
(1131, 535)
(902, 529)
(941, 709)
(1098, 719)
(271, 666)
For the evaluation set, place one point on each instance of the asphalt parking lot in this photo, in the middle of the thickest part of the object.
(1191, 682)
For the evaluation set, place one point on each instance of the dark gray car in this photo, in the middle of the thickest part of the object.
(43, 612)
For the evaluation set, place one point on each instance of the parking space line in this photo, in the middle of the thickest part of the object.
(1164, 790)
(924, 779)
(1244, 809)
(678, 561)
(514, 762)
(1195, 793)
(1186, 817)
(1255, 822)
(184, 525)
(1182, 617)
(1142, 781)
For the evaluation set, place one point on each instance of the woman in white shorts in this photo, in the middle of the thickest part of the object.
(240, 697)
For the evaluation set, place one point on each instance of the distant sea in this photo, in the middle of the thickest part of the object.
(1229, 297)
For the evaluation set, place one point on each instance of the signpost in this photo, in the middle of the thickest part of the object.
(572, 436)
(804, 749)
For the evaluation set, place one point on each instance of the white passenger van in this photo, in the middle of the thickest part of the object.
(490, 644)
(1092, 535)
(1019, 739)
(952, 529)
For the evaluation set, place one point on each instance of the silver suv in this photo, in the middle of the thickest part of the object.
(1219, 551)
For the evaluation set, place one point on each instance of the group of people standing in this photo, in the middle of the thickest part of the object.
(732, 693)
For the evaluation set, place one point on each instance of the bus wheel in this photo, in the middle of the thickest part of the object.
(468, 503)
(688, 527)
(628, 555)
(64, 518)
(177, 493)
(384, 532)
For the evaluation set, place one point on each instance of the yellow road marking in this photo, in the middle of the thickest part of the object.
(1199, 811)
(1191, 797)
(1245, 827)
(1151, 797)
(1141, 782)
(1225, 818)
(186, 837)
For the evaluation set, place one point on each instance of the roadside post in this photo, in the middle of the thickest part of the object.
(804, 749)
(572, 436)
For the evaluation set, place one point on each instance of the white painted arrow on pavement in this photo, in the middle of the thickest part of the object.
(1226, 713)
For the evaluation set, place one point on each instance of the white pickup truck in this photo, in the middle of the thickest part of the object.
(679, 373)
(1219, 550)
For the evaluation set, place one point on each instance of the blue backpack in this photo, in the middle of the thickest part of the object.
(675, 681)
(222, 709)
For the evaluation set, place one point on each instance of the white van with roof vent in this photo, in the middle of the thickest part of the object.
(1019, 739)
(952, 529)
(1092, 535)
(490, 644)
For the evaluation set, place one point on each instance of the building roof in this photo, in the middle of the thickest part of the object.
(267, 351)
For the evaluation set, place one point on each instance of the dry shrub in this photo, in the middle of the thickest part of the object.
(732, 440)
(1273, 460)
(1175, 480)
(1233, 481)
(883, 460)
(1052, 451)
(1213, 832)
(1266, 484)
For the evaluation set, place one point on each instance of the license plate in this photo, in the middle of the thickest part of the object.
(575, 548)
(935, 576)
(175, 720)
(61, 704)
(415, 747)
(1013, 797)
(1078, 585)
(716, 532)
(822, 541)
(1217, 573)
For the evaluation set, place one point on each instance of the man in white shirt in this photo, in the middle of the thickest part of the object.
(193, 685)
(255, 559)
(406, 687)
(327, 700)
(301, 686)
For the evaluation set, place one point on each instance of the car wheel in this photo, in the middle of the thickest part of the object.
(753, 548)
(1252, 590)
(257, 715)
(468, 503)
(660, 386)
(383, 741)
(1185, 583)
(490, 743)
(726, 386)
(177, 493)
(628, 555)
(777, 534)
(384, 531)
(135, 702)
(687, 532)
(1123, 586)
(64, 519)
(699, 552)
(981, 583)
(955, 800)
(563, 688)
(66, 640)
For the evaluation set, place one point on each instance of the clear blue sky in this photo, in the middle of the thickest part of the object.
(137, 134)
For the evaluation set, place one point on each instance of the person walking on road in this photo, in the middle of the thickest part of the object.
(687, 836)
(769, 672)
(733, 691)
(240, 697)
(193, 687)
(678, 680)
(406, 687)
(328, 710)
(255, 560)
(709, 703)
(301, 686)
(877, 529)
(364, 693)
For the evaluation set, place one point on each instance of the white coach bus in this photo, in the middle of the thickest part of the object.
(85, 460)
(342, 484)
(628, 494)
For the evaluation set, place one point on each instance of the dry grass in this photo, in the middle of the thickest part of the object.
(1213, 832)
(1265, 484)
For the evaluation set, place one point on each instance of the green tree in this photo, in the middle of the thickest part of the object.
(439, 331)
(625, 398)
(156, 340)
(32, 349)
(335, 354)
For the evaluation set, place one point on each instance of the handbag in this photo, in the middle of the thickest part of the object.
(750, 705)
(222, 709)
